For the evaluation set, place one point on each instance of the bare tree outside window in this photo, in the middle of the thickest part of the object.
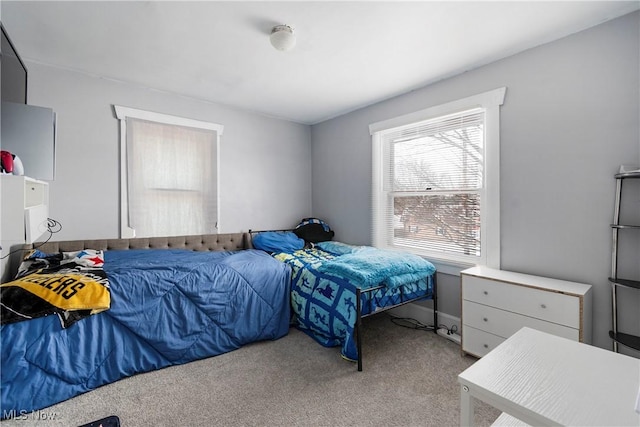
(437, 176)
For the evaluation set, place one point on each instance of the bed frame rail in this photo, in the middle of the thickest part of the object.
(359, 316)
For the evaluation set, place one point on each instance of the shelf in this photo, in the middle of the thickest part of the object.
(625, 282)
(627, 340)
(631, 227)
(631, 341)
(634, 174)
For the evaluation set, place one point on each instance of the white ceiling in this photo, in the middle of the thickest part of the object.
(348, 54)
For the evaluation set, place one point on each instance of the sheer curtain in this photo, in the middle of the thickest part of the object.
(171, 175)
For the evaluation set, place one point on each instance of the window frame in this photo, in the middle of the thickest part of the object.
(490, 103)
(122, 113)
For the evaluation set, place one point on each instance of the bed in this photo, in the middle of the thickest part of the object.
(335, 285)
(172, 300)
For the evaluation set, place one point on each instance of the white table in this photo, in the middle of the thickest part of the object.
(545, 380)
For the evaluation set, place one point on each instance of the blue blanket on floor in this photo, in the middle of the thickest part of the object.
(168, 307)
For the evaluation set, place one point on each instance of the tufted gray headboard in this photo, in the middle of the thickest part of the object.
(206, 242)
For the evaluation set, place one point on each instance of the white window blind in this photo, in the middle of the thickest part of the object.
(432, 193)
(169, 182)
(434, 183)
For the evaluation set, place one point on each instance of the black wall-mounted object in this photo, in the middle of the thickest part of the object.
(14, 72)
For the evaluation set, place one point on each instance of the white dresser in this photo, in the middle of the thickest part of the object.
(496, 304)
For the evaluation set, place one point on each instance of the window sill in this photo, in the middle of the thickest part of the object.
(444, 266)
(449, 267)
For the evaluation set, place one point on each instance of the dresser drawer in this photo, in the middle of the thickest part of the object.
(505, 323)
(477, 342)
(546, 305)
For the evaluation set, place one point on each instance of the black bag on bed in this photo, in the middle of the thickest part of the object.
(314, 230)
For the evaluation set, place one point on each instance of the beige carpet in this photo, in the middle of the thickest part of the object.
(409, 379)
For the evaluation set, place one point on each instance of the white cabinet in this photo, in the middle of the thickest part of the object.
(25, 209)
(497, 303)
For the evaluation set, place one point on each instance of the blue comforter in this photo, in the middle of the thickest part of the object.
(168, 307)
(368, 267)
(324, 300)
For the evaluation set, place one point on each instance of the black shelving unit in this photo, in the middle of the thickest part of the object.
(631, 341)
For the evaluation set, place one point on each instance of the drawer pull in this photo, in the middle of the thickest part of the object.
(543, 305)
(485, 319)
(485, 292)
(486, 346)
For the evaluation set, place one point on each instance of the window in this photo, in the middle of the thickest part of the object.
(436, 181)
(169, 174)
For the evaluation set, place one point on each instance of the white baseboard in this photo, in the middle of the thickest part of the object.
(424, 315)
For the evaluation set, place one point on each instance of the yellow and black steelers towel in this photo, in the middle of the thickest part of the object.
(72, 285)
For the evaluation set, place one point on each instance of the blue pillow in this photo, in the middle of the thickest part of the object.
(277, 241)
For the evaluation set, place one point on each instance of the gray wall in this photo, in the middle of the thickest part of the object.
(570, 118)
(265, 168)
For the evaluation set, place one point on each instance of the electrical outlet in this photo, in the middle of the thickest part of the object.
(443, 332)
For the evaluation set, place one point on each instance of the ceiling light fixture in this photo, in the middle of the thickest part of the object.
(282, 37)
